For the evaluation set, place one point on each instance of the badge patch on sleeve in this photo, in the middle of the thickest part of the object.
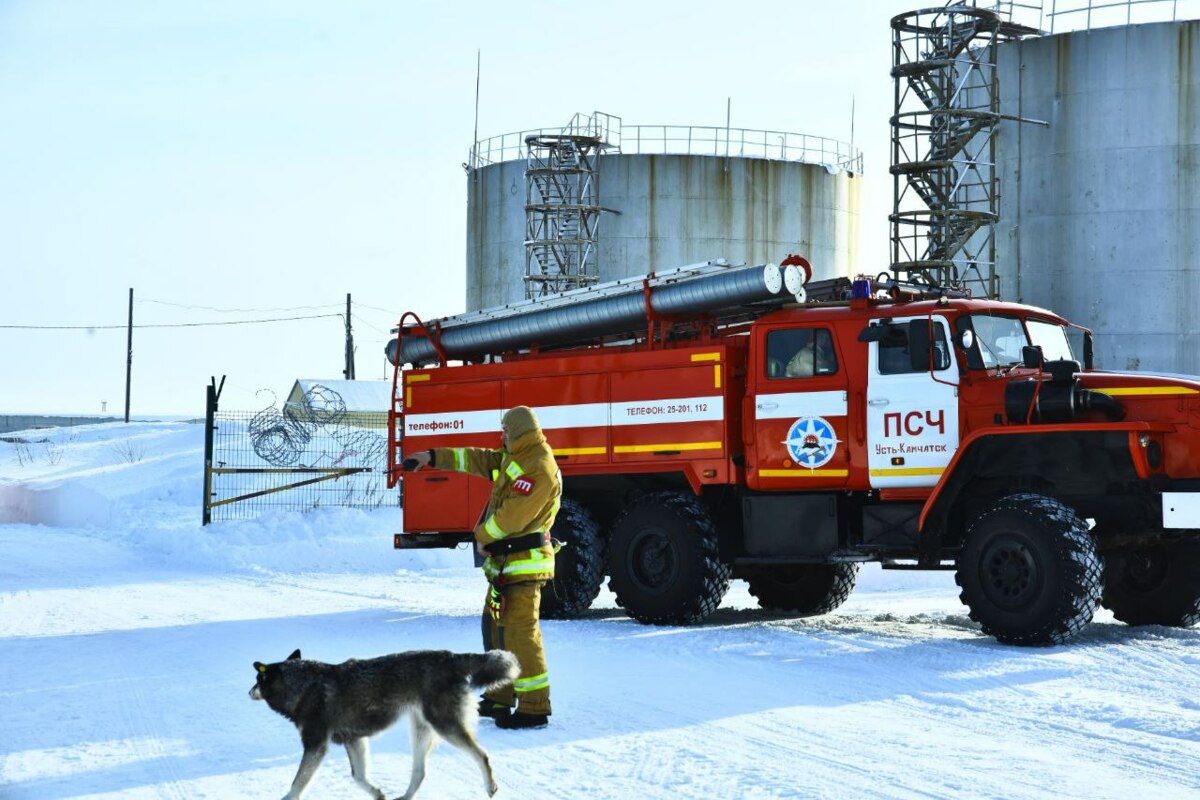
(523, 485)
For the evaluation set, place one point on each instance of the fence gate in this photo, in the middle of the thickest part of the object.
(309, 454)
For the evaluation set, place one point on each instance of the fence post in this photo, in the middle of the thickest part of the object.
(210, 414)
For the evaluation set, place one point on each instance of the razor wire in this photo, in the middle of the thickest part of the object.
(309, 452)
(283, 437)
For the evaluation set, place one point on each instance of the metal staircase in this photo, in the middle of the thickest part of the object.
(562, 204)
(947, 107)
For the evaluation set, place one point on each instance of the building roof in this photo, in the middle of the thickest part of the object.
(357, 395)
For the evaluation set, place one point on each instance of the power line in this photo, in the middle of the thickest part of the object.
(362, 321)
(235, 310)
(162, 325)
(389, 312)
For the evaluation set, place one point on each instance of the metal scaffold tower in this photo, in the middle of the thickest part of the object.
(947, 107)
(562, 203)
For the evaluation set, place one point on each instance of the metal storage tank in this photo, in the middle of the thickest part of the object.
(1100, 210)
(672, 196)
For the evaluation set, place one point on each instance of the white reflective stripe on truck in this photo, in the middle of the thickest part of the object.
(792, 405)
(1181, 509)
(578, 415)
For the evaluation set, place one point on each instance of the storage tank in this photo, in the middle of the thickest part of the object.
(1100, 210)
(673, 196)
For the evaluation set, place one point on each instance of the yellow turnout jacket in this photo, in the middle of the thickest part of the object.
(526, 492)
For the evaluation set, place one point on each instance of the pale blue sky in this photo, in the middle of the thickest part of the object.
(277, 155)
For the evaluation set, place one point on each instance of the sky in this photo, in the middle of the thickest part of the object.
(244, 161)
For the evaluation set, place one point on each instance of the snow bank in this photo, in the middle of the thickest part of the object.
(128, 630)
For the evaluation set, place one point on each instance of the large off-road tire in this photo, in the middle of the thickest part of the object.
(1156, 584)
(663, 560)
(804, 589)
(578, 566)
(1029, 571)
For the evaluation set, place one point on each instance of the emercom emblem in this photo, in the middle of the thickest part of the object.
(811, 442)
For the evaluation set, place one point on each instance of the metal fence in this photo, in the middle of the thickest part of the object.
(306, 455)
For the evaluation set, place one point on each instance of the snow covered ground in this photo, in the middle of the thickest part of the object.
(127, 633)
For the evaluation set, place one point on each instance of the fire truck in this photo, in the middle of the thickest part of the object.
(718, 422)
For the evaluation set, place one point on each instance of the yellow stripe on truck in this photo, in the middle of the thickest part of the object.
(651, 448)
(1117, 391)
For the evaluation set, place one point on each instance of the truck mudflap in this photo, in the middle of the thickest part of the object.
(428, 541)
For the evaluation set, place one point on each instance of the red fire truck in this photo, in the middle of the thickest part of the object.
(785, 440)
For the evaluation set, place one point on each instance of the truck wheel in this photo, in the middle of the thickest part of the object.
(578, 566)
(1029, 571)
(663, 560)
(1154, 585)
(805, 589)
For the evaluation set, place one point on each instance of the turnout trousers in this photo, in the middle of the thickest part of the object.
(516, 630)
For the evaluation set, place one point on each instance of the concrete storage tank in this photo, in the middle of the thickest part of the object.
(1100, 210)
(674, 196)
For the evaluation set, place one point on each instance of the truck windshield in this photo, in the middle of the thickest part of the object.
(1051, 338)
(1000, 339)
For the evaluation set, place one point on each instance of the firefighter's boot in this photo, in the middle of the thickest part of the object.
(519, 720)
(492, 710)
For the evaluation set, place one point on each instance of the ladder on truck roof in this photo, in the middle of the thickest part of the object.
(595, 292)
(710, 292)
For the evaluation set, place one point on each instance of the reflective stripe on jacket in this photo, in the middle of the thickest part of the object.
(526, 493)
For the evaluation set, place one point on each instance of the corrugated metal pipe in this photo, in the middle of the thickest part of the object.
(603, 316)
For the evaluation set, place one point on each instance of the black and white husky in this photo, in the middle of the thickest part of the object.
(346, 703)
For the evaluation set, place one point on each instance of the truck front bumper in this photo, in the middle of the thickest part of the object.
(1181, 510)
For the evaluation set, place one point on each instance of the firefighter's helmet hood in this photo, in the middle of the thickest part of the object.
(519, 421)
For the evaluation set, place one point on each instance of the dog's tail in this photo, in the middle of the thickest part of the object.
(491, 669)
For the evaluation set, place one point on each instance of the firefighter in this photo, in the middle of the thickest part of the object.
(513, 536)
(813, 358)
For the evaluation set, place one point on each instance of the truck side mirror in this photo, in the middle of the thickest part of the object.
(1031, 356)
(919, 355)
(875, 332)
(1088, 361)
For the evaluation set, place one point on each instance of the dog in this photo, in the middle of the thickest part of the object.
(346, 703)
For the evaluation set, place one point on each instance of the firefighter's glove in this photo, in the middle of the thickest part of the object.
(418, 461)
(495, 602)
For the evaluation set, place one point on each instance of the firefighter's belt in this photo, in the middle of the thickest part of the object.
(529, 541)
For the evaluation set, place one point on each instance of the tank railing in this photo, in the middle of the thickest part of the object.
(605, 127)
(1075, 15)
(1065, 16)
(688, 140)
(740, 143)
(1028, 14)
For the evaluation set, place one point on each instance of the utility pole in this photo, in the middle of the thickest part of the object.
(349, 370)
(129, 355)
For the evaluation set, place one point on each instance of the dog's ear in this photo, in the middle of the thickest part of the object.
(295, 655)
(260, 667)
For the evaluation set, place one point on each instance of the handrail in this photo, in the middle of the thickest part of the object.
(688, 140)
(1066, 16)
